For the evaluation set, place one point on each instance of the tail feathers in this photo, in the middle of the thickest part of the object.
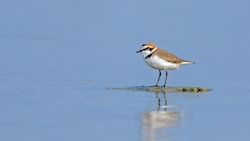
(187, 62)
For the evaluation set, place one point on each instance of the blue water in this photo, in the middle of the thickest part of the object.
(58, 57)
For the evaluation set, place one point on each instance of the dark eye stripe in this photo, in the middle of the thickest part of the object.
(144, 49)
(148, 48)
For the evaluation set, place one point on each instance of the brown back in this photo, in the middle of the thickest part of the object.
(169, 56)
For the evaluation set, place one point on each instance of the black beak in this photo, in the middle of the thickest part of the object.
(138, 51)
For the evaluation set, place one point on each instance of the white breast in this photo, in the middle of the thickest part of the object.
(158, 63)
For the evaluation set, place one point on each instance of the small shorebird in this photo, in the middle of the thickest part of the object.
(160, 59)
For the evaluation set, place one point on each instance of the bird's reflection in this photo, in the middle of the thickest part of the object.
(155, 121)
(164, 107)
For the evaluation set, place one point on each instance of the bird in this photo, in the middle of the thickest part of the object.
(161, 59)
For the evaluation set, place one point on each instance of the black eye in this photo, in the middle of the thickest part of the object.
(150, 49)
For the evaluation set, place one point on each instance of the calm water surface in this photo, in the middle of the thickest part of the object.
(57, 58)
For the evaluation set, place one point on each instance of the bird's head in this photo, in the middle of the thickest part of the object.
(147, 48)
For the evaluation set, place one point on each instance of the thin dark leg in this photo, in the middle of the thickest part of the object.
(158, 78)
(166, 79)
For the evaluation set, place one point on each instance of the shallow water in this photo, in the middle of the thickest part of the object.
(57, 59)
